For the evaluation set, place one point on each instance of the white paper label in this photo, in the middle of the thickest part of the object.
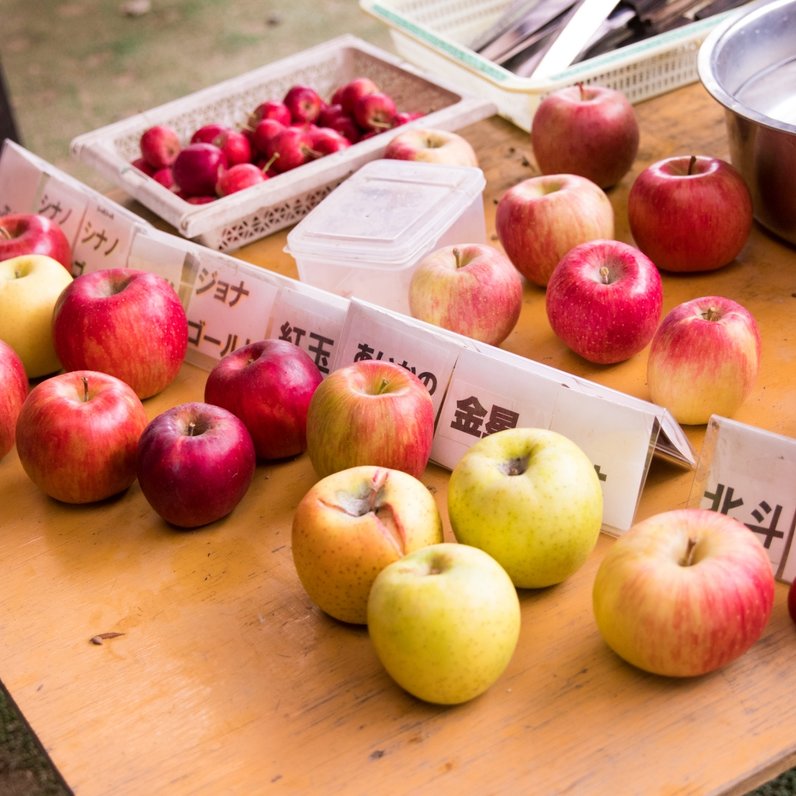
(373, 333)
(230, 304)
(311, 320)
(750, 474)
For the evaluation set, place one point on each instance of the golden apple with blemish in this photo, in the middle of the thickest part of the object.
(353, 523)
(529, 497)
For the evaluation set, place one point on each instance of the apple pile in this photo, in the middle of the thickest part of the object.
(278, 136)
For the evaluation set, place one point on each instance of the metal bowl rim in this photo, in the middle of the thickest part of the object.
(705, 64)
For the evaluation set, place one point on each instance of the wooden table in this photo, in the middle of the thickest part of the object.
(227, 680)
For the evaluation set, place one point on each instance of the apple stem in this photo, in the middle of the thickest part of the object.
(581, 90)
(516, 466)
(270, 162)
(691, 164)
(605, 275)
(688, 559)
(191, 428)
(711, 314)
(84, 379)
(5, 234)
(457, 255)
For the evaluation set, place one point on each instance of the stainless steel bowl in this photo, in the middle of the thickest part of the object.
(748, 64)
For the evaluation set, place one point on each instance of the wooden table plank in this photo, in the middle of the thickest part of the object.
(227, 679)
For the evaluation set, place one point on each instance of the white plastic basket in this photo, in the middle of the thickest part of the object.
(281, 201)
(434, 34)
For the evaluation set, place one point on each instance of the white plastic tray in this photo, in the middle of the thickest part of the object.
(434, 34)
(241, 218)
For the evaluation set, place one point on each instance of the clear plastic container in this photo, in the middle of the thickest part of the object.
(365, 239)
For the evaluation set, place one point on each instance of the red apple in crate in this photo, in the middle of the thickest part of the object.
(290, 148)
(125, 322)
(197, 167)
(690, 213)
(472, 289)
(431, 146)
(159, 146)
(235, 145)
(370, 412)
(207, 133)
(268, 384)
(165, 177)
(195, 463)
(270, 109)
(33, 233)
(239, 177)
(349, 93)
(540, 219)
(13, 391)
(304, 104)
(326, 141)
(684, 592)
(353, 523)
(375, 111)
(264, 133)
(704, 359)
(77, 435)
(587, 130)
(604, 300)
(29, 288)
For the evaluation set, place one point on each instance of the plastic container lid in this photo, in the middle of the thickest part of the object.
(389, 212)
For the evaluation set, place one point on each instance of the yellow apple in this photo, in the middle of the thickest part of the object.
(29, 287)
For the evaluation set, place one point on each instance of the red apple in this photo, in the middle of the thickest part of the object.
(195, 463)
(684, 592)
(540, 219)
(13, 390)
(235, 145)
(792, 600)
(264, 133)
(291, 147)
(349, 93)
(704, 359)
(125, 322)
(239, 177)
(159, 146)
(431, 146)
(375, 111)
(268, 384)
(326, 141)
(604, 300)
(472, 289)
(335, 118)
(270, 109)
(165, 177)
(587, 130)
(353, 523)
(370, 412)
(207, 133)
(304, 103)
(690, 213)
(33, 233)
(77, 435)
(196, 169)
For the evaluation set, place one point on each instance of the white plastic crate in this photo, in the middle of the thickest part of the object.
(435, 34)
(240, 218)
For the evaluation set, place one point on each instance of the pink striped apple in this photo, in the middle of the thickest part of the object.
(13, 391)
(684, 592)
(370, 412)
(704, 359)
(540, 219)
(472, 289)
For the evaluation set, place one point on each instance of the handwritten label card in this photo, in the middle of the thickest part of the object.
(750, 474)
(104, 239)
(490, 393)
(230, 306)
(311, 319)
(65, 204)
(20, 178)
(371, 332)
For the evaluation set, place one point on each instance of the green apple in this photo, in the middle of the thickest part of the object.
(444, 622)
(29, 287)
(531, 498)
(352, 524)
